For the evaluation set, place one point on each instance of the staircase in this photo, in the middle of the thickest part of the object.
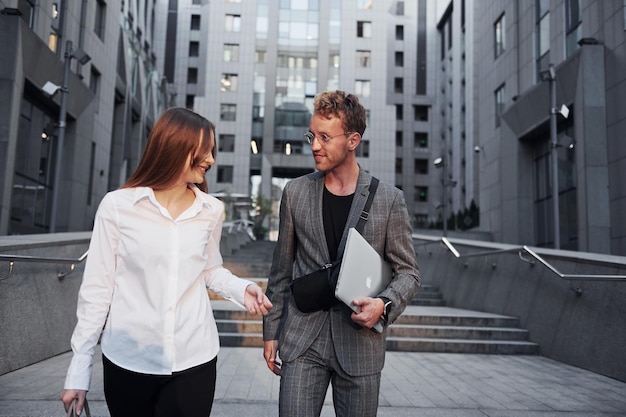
(426, 325)
(251, 260)
(428, 295)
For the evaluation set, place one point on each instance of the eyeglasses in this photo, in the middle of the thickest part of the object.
(323, 138)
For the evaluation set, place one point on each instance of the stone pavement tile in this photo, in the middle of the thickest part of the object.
(243, 375)
(511, 382)
(413, 384)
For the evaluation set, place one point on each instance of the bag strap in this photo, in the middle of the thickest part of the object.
(71, 412)
(365, 214)
(362, 218)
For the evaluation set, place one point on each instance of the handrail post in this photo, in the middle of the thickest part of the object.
(10, 271)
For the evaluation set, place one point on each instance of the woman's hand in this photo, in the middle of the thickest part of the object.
(68, 395)
(255, 301)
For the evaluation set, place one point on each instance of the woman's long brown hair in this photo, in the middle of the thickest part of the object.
(174, 137)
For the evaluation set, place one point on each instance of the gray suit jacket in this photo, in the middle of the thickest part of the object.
(302, 249)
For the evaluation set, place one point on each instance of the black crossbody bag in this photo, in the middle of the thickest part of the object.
(316, 291)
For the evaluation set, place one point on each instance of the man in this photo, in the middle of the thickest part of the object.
(334, 345)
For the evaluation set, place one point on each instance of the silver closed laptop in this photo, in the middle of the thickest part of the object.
(363, 273)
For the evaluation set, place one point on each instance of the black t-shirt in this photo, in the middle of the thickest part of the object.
(335, 210)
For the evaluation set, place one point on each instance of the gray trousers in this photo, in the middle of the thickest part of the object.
(304, 383)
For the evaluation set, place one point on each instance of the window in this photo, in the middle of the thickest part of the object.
(363, 29)
(92, 168)
(421, 194)
(399, 111)
(53, 42)
(399, 32)
(194, 48)
(232, 23)
(420, 167)
(226, 143)
(229, 82)
(449, 25)
(27, 11)
(231, 52)
(542, 8)
(259, 57)
(333, 61)
(399, 59)
(573, 27)
(257, 112)
(498, 34)
(421, 220)
(94, 86)
(400, 8)
(363, 59)
(499, 104)
(195, 22)
(228, 112)
(399, 139)
(398, 165)
(192, 75)
(189, 99)
(362, 88)
(225, 174)
(363, 150)
(420, 140)
(422, 62)
(99, 24)
(442, 44)
(420, 113)
(398, 85)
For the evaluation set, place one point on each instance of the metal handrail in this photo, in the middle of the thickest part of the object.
(520, 249)
(42, 259)
(574, 277)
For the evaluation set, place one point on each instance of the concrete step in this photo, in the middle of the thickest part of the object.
(419, 329)
(467, 319)
(498, 347)
(457, 332)
(426, 302)
(426, 326)
(251, 260)
(400, 331)
(428, 295)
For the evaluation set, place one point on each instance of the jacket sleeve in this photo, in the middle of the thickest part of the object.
(281, 273)
(400, 254)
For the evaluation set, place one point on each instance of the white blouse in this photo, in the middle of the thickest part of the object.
(145, 282)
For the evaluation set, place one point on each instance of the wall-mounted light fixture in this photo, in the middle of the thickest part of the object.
(48, 131)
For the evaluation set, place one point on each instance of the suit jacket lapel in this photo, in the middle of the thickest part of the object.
(316, 193)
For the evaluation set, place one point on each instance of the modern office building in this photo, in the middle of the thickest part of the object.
(254, 67)
(79, 95)
(525, 83)
(466, 105)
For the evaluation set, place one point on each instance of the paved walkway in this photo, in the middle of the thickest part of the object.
(413, 384)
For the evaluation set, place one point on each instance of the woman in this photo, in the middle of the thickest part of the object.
(154, 252)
